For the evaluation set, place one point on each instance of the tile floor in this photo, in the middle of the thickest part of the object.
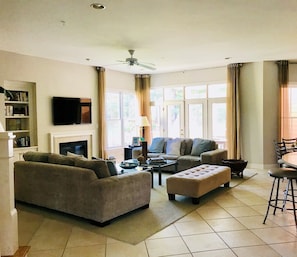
(228, 225)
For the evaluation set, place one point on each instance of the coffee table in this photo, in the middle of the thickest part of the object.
(159, 166)
(137, 169)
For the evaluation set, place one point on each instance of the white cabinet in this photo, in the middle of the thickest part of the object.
(20, 114)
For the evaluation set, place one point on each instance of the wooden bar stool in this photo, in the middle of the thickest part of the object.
(278, 202)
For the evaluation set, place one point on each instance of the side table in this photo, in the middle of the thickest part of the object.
(128, 152)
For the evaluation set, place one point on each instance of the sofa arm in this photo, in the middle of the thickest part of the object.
(117, 195)
(214, 156)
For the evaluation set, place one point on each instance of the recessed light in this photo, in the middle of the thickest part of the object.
(98, 6)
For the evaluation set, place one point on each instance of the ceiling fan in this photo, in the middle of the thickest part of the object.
(131, 61)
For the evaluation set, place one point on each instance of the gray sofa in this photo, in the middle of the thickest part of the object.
(80, 187)
(187, 152)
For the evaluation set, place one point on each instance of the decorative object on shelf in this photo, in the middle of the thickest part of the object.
(143, 122)
(135, 141)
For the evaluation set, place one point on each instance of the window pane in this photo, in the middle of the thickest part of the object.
(195, 92)
(175, 93)
(114, 135)
(217, 90)
(113, 106)
(195, 120)
(219, 121)
(129, 103)
(156, 121)
(156, 95)
(173, 121)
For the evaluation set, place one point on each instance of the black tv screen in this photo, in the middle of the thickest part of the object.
(71, 110)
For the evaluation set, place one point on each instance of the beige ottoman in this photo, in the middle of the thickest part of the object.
(198, 181)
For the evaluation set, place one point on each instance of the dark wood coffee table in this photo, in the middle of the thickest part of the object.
(157, 167)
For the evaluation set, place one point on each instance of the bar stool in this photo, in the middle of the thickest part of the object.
(274, 200)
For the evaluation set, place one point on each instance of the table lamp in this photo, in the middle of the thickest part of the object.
(143, 122)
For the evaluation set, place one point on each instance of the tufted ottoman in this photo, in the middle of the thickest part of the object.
(197, 181)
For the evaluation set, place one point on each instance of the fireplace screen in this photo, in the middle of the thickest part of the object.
(78, 147)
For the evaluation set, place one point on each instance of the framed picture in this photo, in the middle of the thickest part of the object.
(135, 141)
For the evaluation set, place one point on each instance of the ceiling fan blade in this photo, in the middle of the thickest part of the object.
(146, 66)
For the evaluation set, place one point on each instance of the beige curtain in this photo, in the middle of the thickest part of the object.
(284, 112)
(142, 89)
(233, 112)
(101, 113)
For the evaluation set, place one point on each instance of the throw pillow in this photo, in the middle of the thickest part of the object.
(98, 166)
(36, 156)
(111, 166)
(157, 145)
(202, 145)
(173, 146)
(61, 159)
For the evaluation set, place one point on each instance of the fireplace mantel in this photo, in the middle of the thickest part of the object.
(57, 138)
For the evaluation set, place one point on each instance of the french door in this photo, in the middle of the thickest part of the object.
(174, 119)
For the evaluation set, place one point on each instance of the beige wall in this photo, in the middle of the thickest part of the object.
(259, 113)
(54, 78)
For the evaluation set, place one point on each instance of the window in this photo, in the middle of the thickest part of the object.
(289, 119)
(120, 118)
(190, 111)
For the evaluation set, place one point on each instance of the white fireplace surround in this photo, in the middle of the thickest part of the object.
(57, 138)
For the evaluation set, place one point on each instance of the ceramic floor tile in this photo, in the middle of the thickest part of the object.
(46, 253)
(193, 216)
(241, 211)
(215, 253)
(82, 237)
(227, 224)
(121, 249)
(204, 242)
(166, 246)
(193, 227)
(85, 251)
(50, 235)
(286, 249)
(229, 202)
(253, 251)
(274, 235)
(169, 231)
(255, 222)
(240, 238)
(213, 213)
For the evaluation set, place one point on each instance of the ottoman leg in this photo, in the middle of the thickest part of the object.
(195, 200)
(171, 197)
(227, 184)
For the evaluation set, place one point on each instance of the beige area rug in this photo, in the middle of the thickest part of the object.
(137, 226)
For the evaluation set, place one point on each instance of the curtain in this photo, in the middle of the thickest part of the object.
(233, 112)
(142, 89)
(284, 111)
(101, 114)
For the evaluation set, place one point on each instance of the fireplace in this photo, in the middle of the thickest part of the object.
(72, 143)
(77, 147)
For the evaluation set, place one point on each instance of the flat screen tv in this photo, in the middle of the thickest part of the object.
(71, 110)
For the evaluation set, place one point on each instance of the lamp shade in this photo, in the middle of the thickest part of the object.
(143, 121)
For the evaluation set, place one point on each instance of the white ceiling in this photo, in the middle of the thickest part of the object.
(174, 35)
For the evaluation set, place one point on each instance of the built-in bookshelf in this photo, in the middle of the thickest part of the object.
(20, 114)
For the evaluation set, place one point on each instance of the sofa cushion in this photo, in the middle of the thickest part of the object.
(186, 146)
(36, 156)
(98, 166)
(110, 165)
(173, 146)
(61, 159)
(157, 145)
(202, 145)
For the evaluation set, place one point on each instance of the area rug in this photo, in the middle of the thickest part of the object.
(139, 225)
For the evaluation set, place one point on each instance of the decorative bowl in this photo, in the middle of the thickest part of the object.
(237, 165)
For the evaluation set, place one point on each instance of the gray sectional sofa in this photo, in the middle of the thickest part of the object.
(78, 186)
(187, 152)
